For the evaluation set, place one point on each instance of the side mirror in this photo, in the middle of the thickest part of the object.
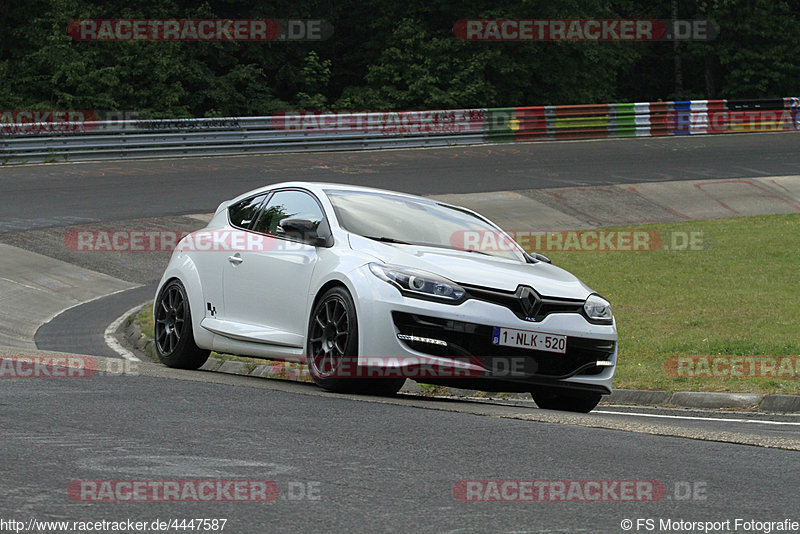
(535, 257)
(314, 233)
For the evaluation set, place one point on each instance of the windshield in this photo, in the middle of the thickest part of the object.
(399, 219)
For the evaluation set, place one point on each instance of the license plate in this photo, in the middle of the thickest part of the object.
(525, 339)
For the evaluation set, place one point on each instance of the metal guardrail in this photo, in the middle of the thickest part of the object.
(102, 140)
(30, 142)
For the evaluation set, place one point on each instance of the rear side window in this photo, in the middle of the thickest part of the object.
(243, 213)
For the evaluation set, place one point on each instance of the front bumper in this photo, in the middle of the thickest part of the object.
(463, 335)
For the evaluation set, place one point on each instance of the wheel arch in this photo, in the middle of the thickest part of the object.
(186, 273)
(324, 288)
(337, 280)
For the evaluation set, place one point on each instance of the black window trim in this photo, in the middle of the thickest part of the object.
(266, 200)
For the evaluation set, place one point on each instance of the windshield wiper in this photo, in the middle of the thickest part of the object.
(387, 240)
(472, 250)
(420, 244)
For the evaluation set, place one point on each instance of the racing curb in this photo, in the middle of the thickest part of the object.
(683, 399)
(772, 403)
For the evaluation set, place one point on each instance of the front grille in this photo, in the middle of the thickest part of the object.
(513, 301)
(475, 340)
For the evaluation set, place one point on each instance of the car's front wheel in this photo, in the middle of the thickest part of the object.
(332, 348)
(569, 401)
(174, 338)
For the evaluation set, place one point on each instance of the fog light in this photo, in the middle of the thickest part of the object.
(417, 339)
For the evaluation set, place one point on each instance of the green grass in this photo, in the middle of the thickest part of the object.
(145, 321)
(734, 297)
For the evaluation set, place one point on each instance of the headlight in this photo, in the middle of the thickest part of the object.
(416, 283)
(598, 309)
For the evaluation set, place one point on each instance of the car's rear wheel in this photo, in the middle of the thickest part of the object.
(569, 401)
(332, 348)
(174, 338)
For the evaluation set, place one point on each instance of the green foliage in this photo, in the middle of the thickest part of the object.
(417, 70)
(387, 55)
(316, 76)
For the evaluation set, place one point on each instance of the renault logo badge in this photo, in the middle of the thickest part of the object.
(529, 300)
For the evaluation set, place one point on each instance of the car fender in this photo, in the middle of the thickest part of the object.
(350, 274)
(183, 268)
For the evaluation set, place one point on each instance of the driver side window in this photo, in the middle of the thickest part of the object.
(284, 205)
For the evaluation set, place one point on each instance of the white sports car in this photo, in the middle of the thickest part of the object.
(370, 287)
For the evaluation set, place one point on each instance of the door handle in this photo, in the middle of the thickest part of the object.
(235, 259)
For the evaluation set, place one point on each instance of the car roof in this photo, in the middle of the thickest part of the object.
(321, 187)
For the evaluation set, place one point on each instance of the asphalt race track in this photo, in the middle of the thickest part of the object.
(80, 330)
(372, 466)
(363, 464)
(60, 194)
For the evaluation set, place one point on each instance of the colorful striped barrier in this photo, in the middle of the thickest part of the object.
(642, 119)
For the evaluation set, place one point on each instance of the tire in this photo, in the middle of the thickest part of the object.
(174, 337)
(332, 348)
(572, 401)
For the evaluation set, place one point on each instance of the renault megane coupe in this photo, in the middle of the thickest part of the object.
(370, 287)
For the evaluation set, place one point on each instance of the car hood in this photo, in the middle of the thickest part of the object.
(476, 269)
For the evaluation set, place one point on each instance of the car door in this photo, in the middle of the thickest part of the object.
(214, 247)
(266, 285)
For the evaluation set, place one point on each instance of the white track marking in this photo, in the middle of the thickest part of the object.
(695, 418)
(111, 340)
